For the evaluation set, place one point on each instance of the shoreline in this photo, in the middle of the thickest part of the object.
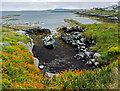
(69, 49)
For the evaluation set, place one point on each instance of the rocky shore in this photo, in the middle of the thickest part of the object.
(71, 51)
(81, 45)
(99, 15)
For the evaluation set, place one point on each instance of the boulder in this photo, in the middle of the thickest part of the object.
(36, 62)
(83, 47)
(5, 44)
(41, 67)
(93, 60)
(21, 32)
(96, 55)
(82, 40)
(38, 31)
(87, 53)
(96, 63)
(89, 62)
(22, 44)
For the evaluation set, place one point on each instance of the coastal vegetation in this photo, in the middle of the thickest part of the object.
(103, 12)
(8, 16)
(18, 68)
(19, 72)
(106, 35)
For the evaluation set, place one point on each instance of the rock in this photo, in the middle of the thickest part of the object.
(79, 56)
(24, 29)
(82, 40)
(83, 47)
(87, 53)
(36, 62)
(82, 44)
(5, 44)
(50, 74)
(96, 63)
(96, 55)
(93, 60)
(22, 43)
(91, 53)
(73, 43)
(41, 66)
(21, 32)
(78, 42)
(38, 31)
(4, 32)
(89, 62)
(93, 42)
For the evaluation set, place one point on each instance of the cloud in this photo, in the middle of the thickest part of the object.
(60, 0)
(16, 6)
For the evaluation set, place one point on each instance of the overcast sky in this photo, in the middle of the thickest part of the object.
(16, 5)
(60, 0)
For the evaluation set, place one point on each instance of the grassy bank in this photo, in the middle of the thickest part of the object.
(103, 12)
(19, 72)
(106, 35)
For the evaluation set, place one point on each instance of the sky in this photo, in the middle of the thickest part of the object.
(17, 5)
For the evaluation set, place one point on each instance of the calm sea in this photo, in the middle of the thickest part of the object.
(44, 19)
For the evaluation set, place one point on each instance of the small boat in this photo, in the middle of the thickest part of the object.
(49, 41)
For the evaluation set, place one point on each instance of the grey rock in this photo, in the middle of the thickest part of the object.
(82, 44)
(96, 55)
(82, 40)
(89, 63)
(4, 32)
(78, 42)
(36, 62)
(87, 53)
(21, 32)
(93, 60)
(22, 43)
(5, 44)
(50, 74)
(96, 63)
(83, 47)
(73, 43)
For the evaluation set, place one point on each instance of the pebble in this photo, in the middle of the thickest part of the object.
(41, 66)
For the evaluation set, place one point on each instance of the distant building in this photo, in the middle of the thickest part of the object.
(111, 8)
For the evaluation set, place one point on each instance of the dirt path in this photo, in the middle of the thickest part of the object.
(58, 59)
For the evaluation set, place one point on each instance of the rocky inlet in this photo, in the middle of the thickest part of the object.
(72, 36)
(71, 51)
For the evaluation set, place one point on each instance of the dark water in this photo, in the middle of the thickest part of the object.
(44, 19)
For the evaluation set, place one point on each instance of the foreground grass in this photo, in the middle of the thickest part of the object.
(19, 72)
(106, 35)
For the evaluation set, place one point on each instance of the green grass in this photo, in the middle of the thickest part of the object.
(106, 35)
(105, 12)
(13, 37)
(19, 72)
